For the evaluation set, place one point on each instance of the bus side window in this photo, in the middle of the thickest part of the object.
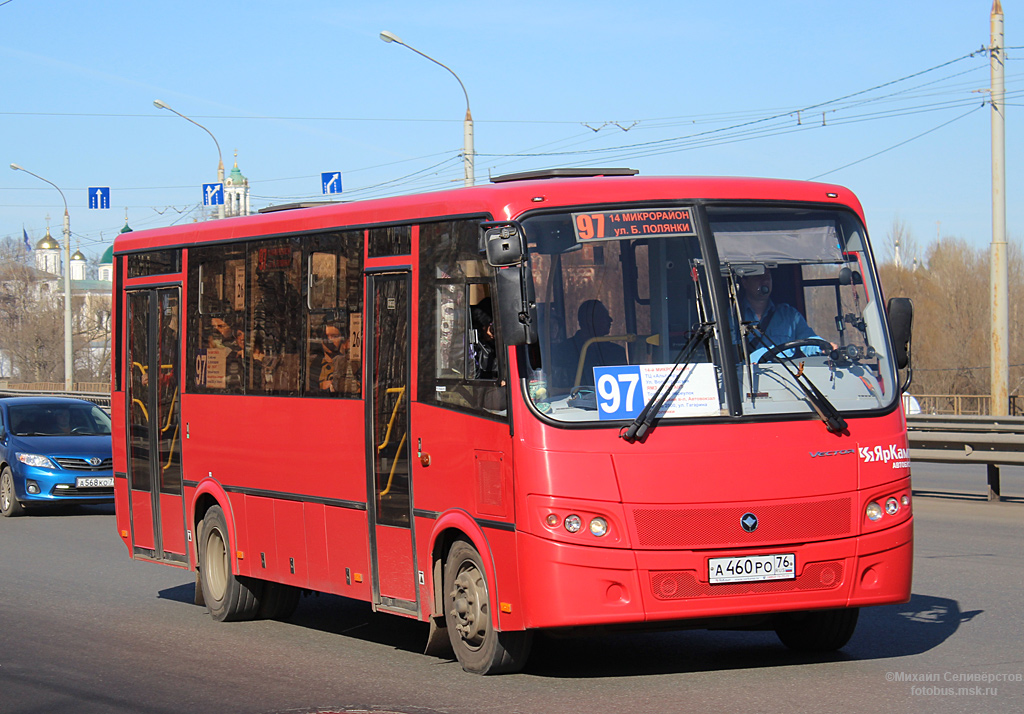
(274, 334)
(460, 356)
(217, 330)
(334, 315)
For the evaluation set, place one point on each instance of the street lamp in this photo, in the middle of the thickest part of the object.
(220, 157)
(467, 149)
(69, 367)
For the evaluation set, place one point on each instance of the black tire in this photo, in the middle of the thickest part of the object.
(10, 506)
(817, 631)
(278, 601)
(479, 647)
(228, 596)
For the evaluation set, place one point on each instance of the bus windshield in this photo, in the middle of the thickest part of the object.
(621, 293)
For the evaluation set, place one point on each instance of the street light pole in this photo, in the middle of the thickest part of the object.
(69, 367)
(467, 140)
(220, 157)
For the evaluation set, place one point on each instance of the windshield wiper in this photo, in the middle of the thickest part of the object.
(645, 419)
(826, 411)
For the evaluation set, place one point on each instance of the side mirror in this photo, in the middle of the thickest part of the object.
(504, 243)
(901, 321)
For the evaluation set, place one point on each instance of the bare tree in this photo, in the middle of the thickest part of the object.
(32, 322)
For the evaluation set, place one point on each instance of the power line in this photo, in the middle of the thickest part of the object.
(896, 146)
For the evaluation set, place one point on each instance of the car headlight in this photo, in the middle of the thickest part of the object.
(37, 460)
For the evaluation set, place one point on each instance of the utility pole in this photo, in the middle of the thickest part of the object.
(1000, 321)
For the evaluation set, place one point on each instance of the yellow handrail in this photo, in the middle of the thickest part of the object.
(394, 414)
(394, 465)
(145, 412)
(586, 346)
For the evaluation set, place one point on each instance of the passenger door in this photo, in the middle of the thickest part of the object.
(154, 427)
(390, 492)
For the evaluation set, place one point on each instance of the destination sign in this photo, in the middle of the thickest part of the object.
(618, 225)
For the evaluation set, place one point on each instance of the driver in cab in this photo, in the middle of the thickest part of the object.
(775, 324)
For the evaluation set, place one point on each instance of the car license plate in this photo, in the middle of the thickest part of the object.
(94, 482)
(751, 568)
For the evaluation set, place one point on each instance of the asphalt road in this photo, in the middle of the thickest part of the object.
(85, 629)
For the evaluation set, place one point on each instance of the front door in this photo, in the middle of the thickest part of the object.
(388, 352)
(154, 440)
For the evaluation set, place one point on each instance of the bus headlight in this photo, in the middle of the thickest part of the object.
(874, 511)
(598, 526)
(892, 506)
(573, 523)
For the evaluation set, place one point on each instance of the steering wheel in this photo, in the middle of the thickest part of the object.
(773, 352)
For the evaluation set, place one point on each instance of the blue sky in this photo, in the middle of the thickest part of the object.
(676, 87)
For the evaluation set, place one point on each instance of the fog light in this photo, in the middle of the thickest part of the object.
(892, 506)
(598, 526)
(874, 511)
(551, 520)
(31, 486)
(573, 523)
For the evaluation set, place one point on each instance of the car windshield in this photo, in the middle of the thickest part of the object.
(58, 420)
(788, 313)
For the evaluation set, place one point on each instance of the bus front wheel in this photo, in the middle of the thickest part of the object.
(817, 631)
(228, 596)
(479, 647)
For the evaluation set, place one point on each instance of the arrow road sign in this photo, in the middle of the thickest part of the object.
(213, 194)
(331, 181)
(99, 197)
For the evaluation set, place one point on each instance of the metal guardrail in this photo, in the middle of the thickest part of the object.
(993, 441)
(101, 399)
(940, 438)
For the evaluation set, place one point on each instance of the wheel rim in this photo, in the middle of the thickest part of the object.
(469, 605)
(216, 564)
(6, 493)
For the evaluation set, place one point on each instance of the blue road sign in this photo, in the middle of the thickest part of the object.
(213, 194)
(331, 181)
(99, 197)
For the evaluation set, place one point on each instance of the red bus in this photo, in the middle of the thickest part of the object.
(567, 398)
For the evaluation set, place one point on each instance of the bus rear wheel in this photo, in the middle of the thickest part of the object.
(479, 647)
(228, 596)
(817, 631)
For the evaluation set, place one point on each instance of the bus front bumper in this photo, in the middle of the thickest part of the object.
(567, 585)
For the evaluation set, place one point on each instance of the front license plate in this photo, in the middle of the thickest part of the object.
(94, 482)
(750, 568)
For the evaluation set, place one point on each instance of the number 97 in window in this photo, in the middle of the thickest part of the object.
(620, 391)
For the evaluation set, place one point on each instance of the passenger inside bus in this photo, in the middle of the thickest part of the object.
(332, 369)
(592, 345)
(485, 354)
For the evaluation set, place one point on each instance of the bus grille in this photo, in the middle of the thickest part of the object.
(676, 585)
(720, 526)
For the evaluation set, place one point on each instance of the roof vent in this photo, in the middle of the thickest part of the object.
(294, 206)
(563, 173)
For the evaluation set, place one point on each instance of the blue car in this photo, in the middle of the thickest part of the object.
(53, 450)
